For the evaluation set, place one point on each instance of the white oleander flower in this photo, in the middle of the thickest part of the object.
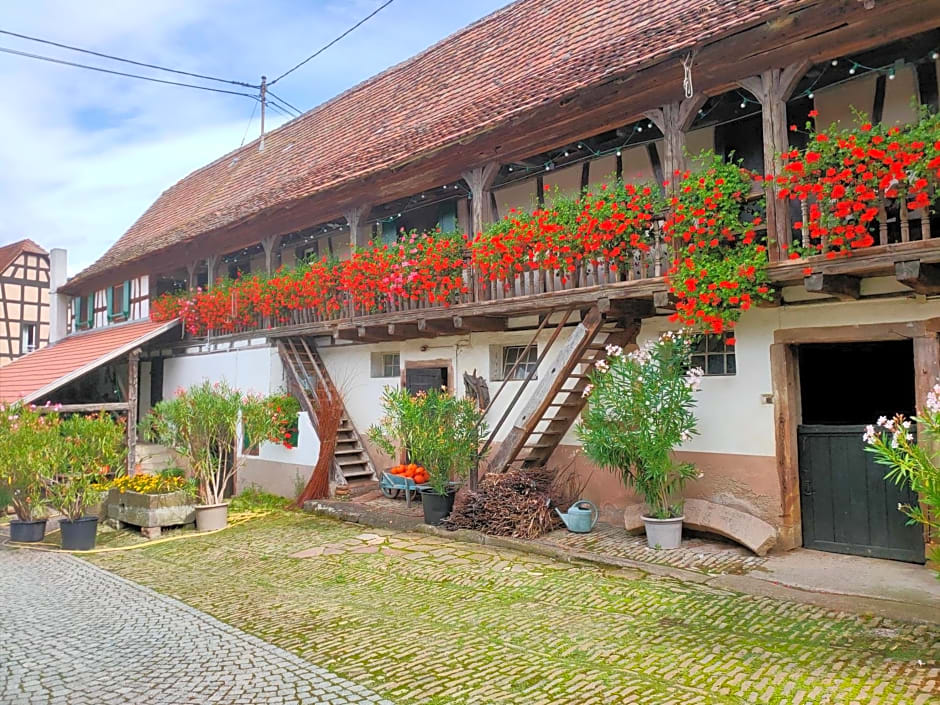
(869, 437)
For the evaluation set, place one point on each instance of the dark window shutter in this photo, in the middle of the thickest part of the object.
(109, 303)
(447, 216)
(76, 312)
(126, 300)
(90, 311)
(389, 231)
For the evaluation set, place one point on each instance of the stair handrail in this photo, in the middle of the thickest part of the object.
(529, 377)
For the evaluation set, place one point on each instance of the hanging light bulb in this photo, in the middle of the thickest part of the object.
(743, 104)
(619, 152)
(580, 146)
(934, 55)
(639, 128)
(810, 95)
(891, 75)
(510, 168)
(852, 70)
(566, 152)
(835, 62)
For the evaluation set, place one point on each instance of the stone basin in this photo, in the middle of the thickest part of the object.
(151, 510)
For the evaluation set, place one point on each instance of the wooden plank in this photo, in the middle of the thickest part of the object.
(83, 408)
(133, 382)
(852, 334)
(842, 286)
(785, 381)
(922, 277)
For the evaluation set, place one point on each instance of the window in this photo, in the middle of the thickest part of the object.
(713, 354)
(506, 358)
(386, 364)
(83, 312)
(29, 339)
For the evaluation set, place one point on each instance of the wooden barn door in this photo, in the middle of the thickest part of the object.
(848, 506)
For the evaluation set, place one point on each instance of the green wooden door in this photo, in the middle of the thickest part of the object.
(847, 505)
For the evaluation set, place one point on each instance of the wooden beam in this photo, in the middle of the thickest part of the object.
(474, 324)
(664, 302)
(922, 277)
(403, 331)
(83, 408)
(133, 382)
(430, 328)
(842, 286)
(673, 119)
(479, 179)
(358, 235)
(268, 244)
(212, 262)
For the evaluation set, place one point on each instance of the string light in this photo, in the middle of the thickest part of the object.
(934, 55)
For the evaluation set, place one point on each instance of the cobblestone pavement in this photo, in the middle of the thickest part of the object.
(420, 619)
(72, 634)
(694, 554)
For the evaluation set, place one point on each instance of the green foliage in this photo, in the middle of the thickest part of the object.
(30, 450)
(253, 499)
(204, 422)
(436, 429)
(640, 408)
(911, 463)
(90, 448)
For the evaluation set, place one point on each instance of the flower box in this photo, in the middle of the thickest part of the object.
(149, 510)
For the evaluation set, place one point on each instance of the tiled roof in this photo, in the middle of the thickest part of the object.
(42, 371)
(9, 253)
(516, 59)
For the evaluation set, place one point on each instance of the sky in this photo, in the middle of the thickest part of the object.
(83, 154)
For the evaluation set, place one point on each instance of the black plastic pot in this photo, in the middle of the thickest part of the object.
(436, 506)
(27, 531)
(79, 535)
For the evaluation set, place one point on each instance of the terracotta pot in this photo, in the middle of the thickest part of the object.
(663, 534)
(79, 535)
(27, 531)
(211, 517)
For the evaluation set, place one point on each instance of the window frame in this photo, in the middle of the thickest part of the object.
(26, 327)
(525, 366)
(727, 353)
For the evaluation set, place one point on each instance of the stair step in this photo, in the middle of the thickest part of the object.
(565, 404)
(352, 461)
(347, 451)
(364, 472)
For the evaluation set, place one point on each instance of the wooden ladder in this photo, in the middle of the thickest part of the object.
(305, 374)
(558, 398)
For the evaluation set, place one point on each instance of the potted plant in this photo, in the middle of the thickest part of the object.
(438, 432)
(89, 448)
(208, 424)
(152, 500)
(640, 408)
(27, 439)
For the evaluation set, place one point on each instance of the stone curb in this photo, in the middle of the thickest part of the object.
(758, 587)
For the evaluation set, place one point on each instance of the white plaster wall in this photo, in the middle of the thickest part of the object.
(256, 369)
(733, 417)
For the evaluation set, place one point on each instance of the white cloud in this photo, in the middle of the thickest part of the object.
(82, 155)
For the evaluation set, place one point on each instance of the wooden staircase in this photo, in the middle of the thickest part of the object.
(307, 376)
(558, 397)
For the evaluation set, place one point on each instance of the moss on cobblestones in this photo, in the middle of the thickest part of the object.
(423, 620)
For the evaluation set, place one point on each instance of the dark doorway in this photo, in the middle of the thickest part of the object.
(421, 379)
(847, 505)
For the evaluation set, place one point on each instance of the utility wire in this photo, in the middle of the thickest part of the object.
(281, 100)
(121, 73)
(328, 45)
(251, 117)
(127, 61)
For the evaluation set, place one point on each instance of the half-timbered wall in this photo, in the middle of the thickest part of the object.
(24, 306)
(125, 301)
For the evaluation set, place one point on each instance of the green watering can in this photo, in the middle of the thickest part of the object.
(580, 517)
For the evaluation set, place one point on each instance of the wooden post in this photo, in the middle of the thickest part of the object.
(133, 369)
(268, 244)
(358, 236)
(772, 88)
(673, 120)
(785, 380)
(479, 179)
(212, 262)
(926, 375)
(191, 273)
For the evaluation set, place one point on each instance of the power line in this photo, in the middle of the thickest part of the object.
(127, 61)
(121, 73)
(281, 100)
(327, 46)
(251, 117)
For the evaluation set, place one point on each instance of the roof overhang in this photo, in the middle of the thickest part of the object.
(43, 371)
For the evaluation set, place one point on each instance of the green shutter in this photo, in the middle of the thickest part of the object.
(126, 301)
(90, 319)
(447, 216)
(76, 312)
(109, 297)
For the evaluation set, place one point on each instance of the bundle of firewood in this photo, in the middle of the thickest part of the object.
(517, 503)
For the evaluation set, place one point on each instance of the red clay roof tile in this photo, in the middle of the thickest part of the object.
(511, 61)
(8, 253)
(26, 377)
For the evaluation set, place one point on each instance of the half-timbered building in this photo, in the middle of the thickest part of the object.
(24, 299)
(545, 95)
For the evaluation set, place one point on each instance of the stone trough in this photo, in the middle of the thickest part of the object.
(151, 512)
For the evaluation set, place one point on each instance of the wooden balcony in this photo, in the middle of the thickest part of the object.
(636, 292)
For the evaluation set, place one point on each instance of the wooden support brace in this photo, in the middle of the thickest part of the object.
(479, 179)
(664, 302)
(402, 331)
(268, 244)
(358, 235)
(673, 119)
(212, 263)
(842, 286)
(922, 277)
